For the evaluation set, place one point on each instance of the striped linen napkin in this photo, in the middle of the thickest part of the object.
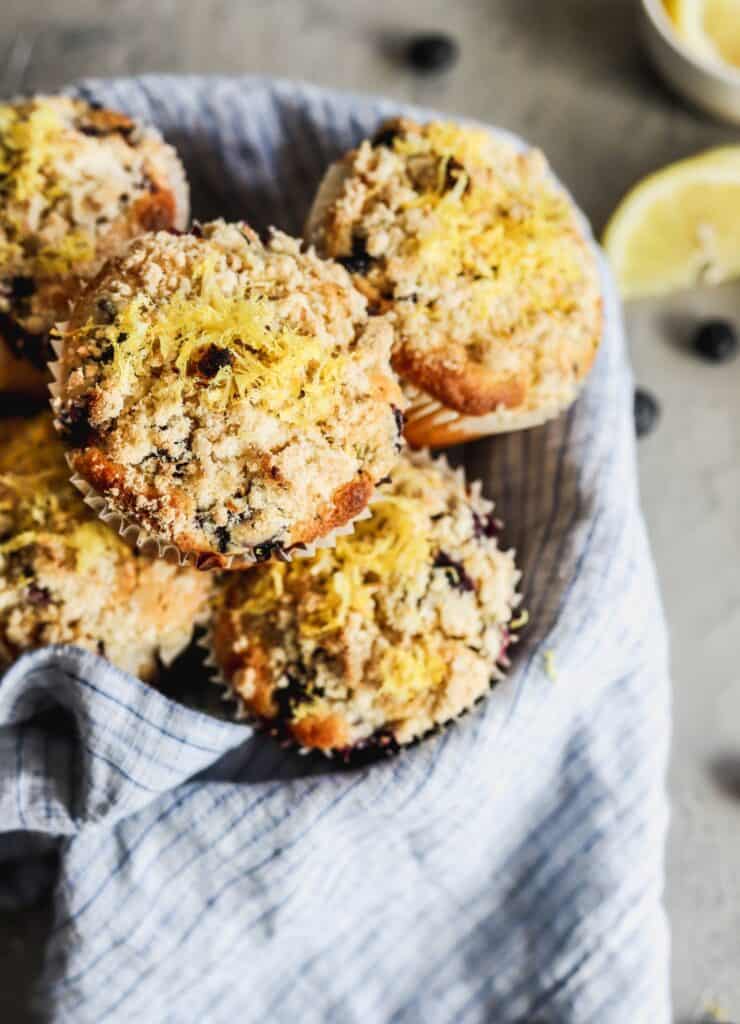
(508, 870)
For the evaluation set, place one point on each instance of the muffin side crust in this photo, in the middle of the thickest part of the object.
(65, 577)
(397, 630)
(480, 257)
(230, 397)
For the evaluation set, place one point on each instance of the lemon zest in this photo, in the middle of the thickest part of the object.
(295, 376)
(30, 137)
(26, 145)
(520, 621)
(40, 503)
(92, 542)
(550, 668)
(73, 251)
(507, 237)
(18, 541)
(343, 580)
(407, 672)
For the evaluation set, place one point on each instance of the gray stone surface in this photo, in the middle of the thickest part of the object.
(571, 77)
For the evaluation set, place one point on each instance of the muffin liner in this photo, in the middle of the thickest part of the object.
(433, 425)
(160, 547)
(372, 749)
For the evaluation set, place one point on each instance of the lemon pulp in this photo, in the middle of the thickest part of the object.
(679, 227)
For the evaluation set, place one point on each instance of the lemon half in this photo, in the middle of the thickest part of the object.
(679, 227)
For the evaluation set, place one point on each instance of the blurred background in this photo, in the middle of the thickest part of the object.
(572, 77)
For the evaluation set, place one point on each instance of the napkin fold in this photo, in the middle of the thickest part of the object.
(508, 870)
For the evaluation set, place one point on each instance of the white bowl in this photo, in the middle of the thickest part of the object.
(711, 85)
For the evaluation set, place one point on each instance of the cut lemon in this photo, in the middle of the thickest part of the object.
(711, 28)
(679, 227)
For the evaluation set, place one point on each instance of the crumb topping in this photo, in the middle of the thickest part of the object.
(400, 627)
(477, 252)
(65, 577)
(236, 387)
(75, 182)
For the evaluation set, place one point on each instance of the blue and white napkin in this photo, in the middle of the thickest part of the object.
(508, 870)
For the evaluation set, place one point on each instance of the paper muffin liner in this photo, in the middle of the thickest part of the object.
(431, 424)
(374, 748)
(162, 547)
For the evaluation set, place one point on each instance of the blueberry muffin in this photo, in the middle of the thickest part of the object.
(398, 629)
(232, 399)
(75, 182)
(483, 263)
(66, 578)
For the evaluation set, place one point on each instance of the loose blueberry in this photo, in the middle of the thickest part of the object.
(432, 52)
(716, 341)
(647, 412)
(223, 536)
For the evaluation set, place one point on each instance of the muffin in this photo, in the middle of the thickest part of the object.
(397, 630)
(234, 400)
(481, 258)
(66, 578)
(75, 182)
